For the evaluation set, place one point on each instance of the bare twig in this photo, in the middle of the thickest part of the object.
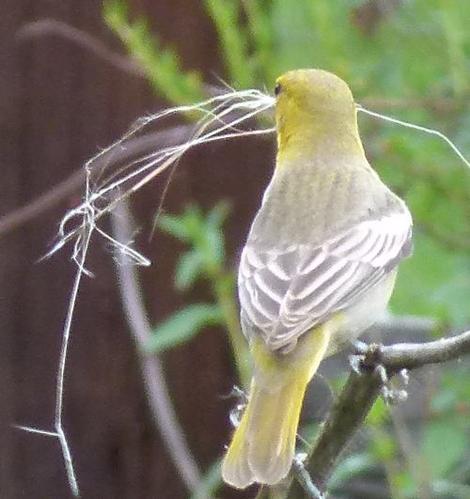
(411, 454)
(413, 355)
(361, 391)
(346, 417)
(92, 44)
(305, 481)
(45, 27)
(41, 204)
(136, 146)
(162, 410)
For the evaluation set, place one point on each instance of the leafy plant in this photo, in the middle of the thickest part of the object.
(204, 259)
(379, 63)
(410, 59)
(161, 65)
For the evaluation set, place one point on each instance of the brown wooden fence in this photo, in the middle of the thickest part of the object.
(58, 104)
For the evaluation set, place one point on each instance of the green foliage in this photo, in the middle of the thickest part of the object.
(204, 234)
(204, 259)
(261, 39)
(161, 65)
(233, 40)
(350, 467)
(443, 446)
(210, 482)
(411, 61)
(183, 325)
(434, 282)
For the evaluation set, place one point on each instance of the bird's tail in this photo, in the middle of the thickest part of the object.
(263, 446)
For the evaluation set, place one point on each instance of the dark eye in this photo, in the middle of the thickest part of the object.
(277, 89)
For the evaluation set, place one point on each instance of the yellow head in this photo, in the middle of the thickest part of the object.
(313, 109)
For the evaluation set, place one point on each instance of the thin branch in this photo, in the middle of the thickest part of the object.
(360, 393)
(82, 39)
(41, 204)
(92, 44)
(346, 417)
(413, 355)
(136, 146)
(161, 407)
(303, 478)
(410, 452)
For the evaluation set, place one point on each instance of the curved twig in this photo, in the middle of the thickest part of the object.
(82, 39)
(71, 184)
(162, 410)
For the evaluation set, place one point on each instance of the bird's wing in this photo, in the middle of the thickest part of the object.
(284, 293)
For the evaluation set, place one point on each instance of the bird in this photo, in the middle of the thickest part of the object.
(318, 267)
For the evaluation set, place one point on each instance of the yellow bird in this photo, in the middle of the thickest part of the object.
(318, 267)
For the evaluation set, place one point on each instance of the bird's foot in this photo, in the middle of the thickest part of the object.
(300, 458)
(400, 392)
(242, 400)
(393, 389)
(360, 359)
(368, 358)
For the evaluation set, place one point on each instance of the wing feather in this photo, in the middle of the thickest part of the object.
(284, 293)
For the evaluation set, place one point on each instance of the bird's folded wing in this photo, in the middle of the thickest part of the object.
(284, 293)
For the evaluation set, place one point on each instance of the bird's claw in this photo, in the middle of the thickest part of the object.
(364, 356)
(367, 357)
(300, 458)
(360, 347)
(355, 361)
(237, 412)
(239, 394)
(395, 392)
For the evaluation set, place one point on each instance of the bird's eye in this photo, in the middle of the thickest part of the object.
(277, 89)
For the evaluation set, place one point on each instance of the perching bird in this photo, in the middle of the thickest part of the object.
(318, 267)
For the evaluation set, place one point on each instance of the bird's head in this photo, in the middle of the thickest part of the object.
(313, 105)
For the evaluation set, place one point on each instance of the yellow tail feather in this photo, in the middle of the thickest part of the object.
(263, 445)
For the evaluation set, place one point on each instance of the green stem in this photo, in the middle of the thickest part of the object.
(224, 292)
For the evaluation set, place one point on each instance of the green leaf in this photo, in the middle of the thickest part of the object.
(350, 467)
(384, 447)
(183, 325)
(218, 214)
(443, 445)
(209, 483)
(434, 282)
(175, 226)
(233, 40)
(213, 234)
(189, 268)
(161, 65)
(378, 414)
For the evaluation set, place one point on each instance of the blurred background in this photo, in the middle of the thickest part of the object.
(73, 77)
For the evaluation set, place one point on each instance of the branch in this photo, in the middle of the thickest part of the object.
(160, 403)
(413, 355)
(92, 44)
(45, 27)
(360, 393)
(42, 203)
(134, 147)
